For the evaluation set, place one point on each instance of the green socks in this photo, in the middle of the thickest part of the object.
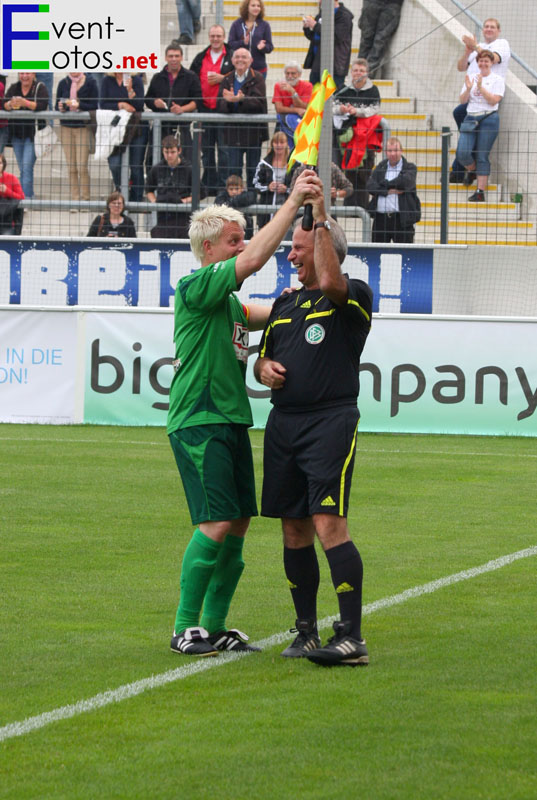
(223, 583)
(199, 562)
(209, 576)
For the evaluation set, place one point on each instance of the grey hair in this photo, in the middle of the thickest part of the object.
(293, 65)
(337, 234)
(208, 224)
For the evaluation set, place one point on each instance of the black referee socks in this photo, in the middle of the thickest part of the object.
(347, 573)
(302, 571)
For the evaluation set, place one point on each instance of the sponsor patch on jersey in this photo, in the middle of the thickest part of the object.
(314, 334)
(240, 341)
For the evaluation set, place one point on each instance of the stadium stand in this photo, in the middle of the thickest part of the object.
(418, 87)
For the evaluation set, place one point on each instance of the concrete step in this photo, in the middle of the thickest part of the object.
(426, 156)
(457, 189)
(496, 212)
(397, 105)
(409, 122)
(431, 174)
(430, 237)
(484, 228)
(387, 88)
(297, 51)
(490, 242)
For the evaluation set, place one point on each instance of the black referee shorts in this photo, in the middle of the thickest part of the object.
(308, 461)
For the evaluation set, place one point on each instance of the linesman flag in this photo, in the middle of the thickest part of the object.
(308, 131)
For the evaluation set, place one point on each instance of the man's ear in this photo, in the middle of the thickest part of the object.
(207, 247)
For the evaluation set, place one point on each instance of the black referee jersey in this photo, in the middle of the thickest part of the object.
(319, 344)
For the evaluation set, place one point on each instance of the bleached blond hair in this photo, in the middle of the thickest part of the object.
(208, 223)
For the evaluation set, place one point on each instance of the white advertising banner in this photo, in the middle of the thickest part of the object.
(419, 374)
(128, 367)
(38, 366)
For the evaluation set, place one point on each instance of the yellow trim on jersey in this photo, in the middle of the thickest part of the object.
(354, 303)
(270, 327)
(344, 470)
(321, 313)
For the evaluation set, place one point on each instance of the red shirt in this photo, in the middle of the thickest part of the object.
(303, 90)
(10, 186)
(208, 92)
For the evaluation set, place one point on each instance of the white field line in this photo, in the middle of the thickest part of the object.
(164, 443)
(155, 681)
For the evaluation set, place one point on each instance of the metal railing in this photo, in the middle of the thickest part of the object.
(157, 119)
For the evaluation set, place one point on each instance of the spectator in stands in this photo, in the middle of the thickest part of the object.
(378, 22)
(114, 222)
(243, 92)
(291, 97)
(4, 129)
(343, 21)
(468, 63)
(356, 118)
(482, 92)
(122, 91)
(189, 16)
(270, 176)
(395, 206)
(252, 32)
(170, 181)
(26, 95)
(236, 195)
(10, 195)
(177, 90)
(340, 185)
(211, 65)
(75, 93)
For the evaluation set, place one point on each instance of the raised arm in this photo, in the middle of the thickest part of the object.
(327, 267)
(264, 243)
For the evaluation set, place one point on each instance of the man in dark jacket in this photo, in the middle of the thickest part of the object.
(177, 90)
(243, 92)
(170, 181)
(395, 206)
(211, 65)
(343, 20)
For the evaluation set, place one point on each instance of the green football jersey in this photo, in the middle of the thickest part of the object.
(211, 350)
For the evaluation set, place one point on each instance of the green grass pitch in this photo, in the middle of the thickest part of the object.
(93, 525)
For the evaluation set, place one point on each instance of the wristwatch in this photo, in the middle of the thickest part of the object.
(324, 224)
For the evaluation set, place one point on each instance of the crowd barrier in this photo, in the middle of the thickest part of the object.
(86, 334)
(418, 374)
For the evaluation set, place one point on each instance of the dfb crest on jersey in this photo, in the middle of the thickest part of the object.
(315, 334)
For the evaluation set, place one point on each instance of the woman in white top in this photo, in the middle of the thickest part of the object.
(483, 92)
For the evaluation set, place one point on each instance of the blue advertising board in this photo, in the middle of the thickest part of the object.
(144, 273)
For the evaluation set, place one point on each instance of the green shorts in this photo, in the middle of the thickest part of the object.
(217, 470)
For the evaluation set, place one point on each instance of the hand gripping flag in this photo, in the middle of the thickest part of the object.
(308, 131)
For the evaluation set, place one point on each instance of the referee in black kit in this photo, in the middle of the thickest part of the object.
(309, 357)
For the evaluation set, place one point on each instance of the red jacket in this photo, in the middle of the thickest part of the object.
(10, 186)
(367, 135)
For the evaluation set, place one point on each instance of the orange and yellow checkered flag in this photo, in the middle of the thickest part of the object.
(308, 131)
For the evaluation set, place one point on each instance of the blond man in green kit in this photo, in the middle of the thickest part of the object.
(210, 414)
